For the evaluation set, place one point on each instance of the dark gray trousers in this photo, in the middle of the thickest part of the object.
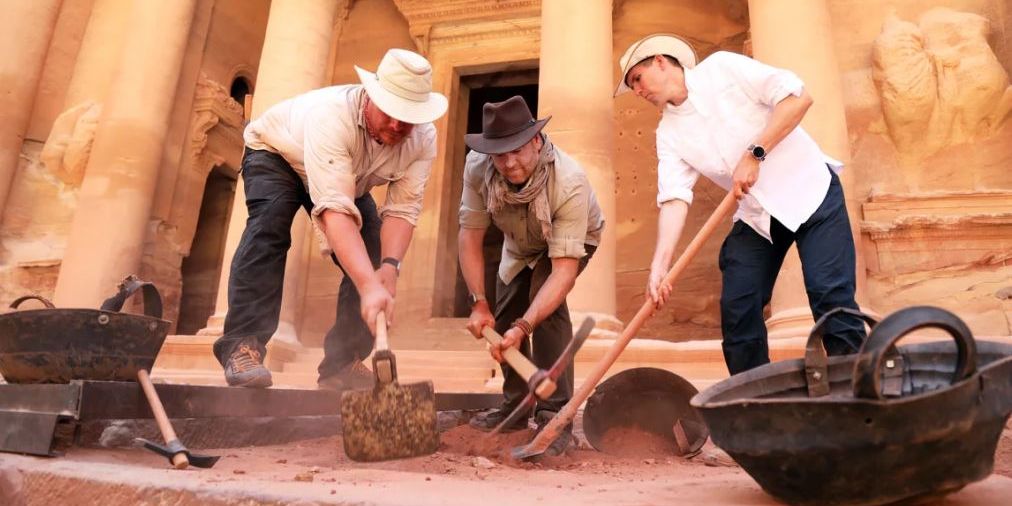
(550, 337)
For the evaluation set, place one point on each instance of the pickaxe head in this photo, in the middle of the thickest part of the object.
(175, 447)
(560, 365)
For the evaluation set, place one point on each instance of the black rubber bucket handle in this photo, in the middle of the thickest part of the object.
(46, 302)
(867, 381)
(816, 358)
(129, 285)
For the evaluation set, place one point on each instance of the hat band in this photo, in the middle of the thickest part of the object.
(401, 91)
(514, 131)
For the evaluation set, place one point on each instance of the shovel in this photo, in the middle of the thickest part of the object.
(543, 439)
(389, 421)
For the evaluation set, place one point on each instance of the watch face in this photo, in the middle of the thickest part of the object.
(759, 152)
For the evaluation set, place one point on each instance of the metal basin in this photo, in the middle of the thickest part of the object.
(886, 424)
(646, 399)
(55, 345)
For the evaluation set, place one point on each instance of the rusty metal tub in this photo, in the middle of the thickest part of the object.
(886, 424)
(55, 345)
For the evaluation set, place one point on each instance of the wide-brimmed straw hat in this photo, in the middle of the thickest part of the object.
(505, 126)
(651, 45)
(402, 87)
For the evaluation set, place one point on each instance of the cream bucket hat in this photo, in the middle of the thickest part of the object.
(402, 87)
(655, 44)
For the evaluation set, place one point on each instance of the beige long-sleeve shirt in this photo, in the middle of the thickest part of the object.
(576, 215)
(322, 135)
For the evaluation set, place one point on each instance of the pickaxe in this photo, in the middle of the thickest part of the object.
(173, 450)
(541, 384)
(554, 428)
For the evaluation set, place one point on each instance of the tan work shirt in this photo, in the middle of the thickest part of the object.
(576, 216)
(322, 135)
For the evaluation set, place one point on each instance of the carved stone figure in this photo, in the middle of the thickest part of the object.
(939, 81)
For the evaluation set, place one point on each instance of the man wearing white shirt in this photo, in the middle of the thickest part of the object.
(736, 121)
(323, 151)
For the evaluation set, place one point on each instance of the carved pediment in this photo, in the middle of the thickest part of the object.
(455, 21)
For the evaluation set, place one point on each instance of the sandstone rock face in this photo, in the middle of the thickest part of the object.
(940, 82)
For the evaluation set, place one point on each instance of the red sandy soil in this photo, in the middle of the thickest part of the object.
(468, 469)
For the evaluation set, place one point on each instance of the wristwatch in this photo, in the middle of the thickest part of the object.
(475, 298)
(394, 262)
(758, 152)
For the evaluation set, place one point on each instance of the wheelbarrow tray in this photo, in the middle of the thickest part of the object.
(60, 345)
(837, 449)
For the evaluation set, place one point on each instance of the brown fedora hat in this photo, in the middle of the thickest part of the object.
(506, 126)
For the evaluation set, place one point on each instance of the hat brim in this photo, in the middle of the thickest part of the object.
(678, 49)
(402, 109)
(505, 144)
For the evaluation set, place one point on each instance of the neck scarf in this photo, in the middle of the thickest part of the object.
(534, 193)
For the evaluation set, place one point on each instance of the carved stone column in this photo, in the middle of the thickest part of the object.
(806, 49)
(575, 88)
(25, 34)
(293, 61)
(114, 202)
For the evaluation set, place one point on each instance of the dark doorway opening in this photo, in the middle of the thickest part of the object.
(201, 269)
(490, 88)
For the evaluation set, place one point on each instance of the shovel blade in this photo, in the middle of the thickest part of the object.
(389, 422)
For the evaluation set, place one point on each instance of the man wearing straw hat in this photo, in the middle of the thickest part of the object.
(323, 151)
(736, 121)
(542, 201)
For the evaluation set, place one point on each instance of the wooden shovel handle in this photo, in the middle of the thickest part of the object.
(521, 364)
(568, 412)
(179, 460)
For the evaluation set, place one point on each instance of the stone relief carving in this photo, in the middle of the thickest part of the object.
(939, 81)
(68, 147)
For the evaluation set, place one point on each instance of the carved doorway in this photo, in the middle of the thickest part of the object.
(201, 269)
(452, 297)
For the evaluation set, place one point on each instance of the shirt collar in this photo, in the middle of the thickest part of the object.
(692, 101)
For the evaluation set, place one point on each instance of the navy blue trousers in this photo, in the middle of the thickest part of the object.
(274, 194)
(750, 264)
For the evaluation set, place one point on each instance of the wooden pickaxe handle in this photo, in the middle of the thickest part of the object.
(179, 460)
(522, 365)
(566, 415)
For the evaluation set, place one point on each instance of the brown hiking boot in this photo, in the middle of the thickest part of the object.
(245, 368)
(354, 376)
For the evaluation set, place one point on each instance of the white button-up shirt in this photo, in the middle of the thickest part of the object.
(730, 101)
(322, 135)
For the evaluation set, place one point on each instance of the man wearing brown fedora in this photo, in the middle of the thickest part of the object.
(542, 201)
(323, 151)
(737, 121)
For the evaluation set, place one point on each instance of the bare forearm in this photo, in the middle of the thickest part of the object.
(553, 293)
(345, 239)
(787, 115)
(395, 236)
(670, 222)
(472, 262)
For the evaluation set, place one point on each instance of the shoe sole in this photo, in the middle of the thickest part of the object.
(257, 382)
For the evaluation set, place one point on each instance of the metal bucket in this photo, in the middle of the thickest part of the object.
(883, 425)
(55, 345)
(646, 399)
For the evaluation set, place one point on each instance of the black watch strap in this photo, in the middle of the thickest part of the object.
(392, 261)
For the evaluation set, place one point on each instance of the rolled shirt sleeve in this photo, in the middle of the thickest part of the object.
(329, 167)
(569, 223)
(473, 211)
(405, 195)
(675, 178)
(763, 83)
